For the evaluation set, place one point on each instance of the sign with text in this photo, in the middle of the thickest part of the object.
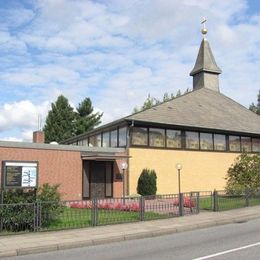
(20, 174)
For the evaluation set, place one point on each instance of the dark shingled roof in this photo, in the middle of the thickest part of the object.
(205, 60)
(203, 108)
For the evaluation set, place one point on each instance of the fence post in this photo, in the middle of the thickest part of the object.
(1, 208)
(1, 220)
(39, 215)
(247, 193)
(94, 212)
(198, 203)
(142, 208)
(181, 206)
(191, 195)
(35, 217)
(215, 201)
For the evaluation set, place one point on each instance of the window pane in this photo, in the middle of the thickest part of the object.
(220, 143)
(246, 144)
(173, 138)
(95, 140)
(85, 142)
(113, 138)
(92, 140)
(105, 139)
(156, 137)
(234, 143)
(98, 140)
(256, 144)
(139, 136)
(206, 141)
(122, 136)
(192, 140)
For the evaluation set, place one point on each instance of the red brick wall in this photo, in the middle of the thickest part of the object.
(38, 137)
(55, 167)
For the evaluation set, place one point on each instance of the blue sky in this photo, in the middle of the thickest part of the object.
(117, 52)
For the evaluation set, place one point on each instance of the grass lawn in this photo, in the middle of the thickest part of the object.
(77, 218)
(205, 203)
(227, 202)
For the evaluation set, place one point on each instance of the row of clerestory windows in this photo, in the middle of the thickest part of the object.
(191, 140)
(113, 138)
(173, 139)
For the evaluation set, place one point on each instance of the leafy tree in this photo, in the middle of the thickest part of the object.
(147, 183)
(167, 97)
(244, 174)
(256, 108)
(60, 121)
(148, 103)
(152, 101)
(86, 120)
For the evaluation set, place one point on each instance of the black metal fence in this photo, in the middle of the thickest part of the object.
(222, 200)
(42, 216)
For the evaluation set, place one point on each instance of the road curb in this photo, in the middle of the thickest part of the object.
(37, 249)
(8, 253)
(125, 237)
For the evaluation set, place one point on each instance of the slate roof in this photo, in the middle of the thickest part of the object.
(205, 60)
(203, 108)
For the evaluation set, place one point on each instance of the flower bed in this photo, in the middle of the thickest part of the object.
(105, 205)
(129, 205)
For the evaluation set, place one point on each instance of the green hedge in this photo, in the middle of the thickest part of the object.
(147, 183)
(23, 209)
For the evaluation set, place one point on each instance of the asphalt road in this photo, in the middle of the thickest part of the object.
(233, 241)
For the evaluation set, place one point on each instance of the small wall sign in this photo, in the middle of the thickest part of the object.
(19, 174)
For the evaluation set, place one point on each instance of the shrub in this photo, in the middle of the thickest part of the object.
(48, 198)
(147, 183)
(14, 196)
(18, 213)
(244, 174)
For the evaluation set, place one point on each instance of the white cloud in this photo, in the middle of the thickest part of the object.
(116, 52)
(12, 139)
(23, 114)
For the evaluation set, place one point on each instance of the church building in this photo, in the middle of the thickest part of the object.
(203, 131)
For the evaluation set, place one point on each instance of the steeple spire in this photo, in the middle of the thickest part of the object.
(205, 72)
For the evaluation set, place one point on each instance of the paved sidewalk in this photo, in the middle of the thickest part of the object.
(58, 240)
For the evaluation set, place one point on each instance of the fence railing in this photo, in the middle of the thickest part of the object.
(222, 200)
(42, 216)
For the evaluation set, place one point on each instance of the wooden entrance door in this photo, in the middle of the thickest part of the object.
(97, 179)
(97, 173)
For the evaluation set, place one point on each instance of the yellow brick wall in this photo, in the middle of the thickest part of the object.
(201, 171)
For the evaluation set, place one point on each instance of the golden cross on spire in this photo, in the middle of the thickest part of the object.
(204, 29)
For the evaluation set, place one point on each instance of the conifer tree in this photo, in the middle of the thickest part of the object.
(86, 120)
(256, 108)
(63, 122)
(60, 121)
(147, 183)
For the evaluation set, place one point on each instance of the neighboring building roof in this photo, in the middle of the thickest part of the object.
(74, 148)
(203, 108)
